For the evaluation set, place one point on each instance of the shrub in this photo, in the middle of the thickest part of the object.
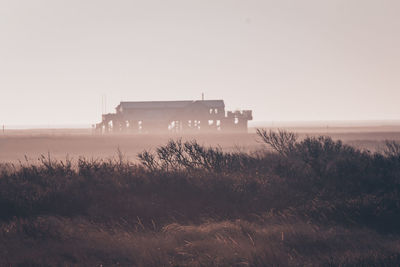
(189, 156)
(282, 141)
(313, 177)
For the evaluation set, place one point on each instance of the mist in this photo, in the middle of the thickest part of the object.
(285, 60)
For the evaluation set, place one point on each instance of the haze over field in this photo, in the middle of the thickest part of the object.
(286, 60)
(293, 161)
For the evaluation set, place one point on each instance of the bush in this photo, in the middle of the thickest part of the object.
(190, 156)
(316, 177)
(313, 201)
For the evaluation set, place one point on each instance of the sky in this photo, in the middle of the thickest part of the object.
(308, 60)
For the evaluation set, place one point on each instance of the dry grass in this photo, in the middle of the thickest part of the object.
(49, 241)
(319, 202)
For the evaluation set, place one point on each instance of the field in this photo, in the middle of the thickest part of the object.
(16, 145)
(68, 198)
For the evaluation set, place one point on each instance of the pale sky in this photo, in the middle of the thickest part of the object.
(285, 60)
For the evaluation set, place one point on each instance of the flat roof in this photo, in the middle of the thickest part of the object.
(170, 104)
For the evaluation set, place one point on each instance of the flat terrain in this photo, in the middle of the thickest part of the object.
(17, 145)
(314, 203)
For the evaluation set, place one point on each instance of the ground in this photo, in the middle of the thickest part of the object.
(73, 143)
(322, 204)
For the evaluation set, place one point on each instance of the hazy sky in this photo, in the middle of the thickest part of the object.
(286, 60)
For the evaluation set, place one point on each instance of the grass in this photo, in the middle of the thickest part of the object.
(313, 201)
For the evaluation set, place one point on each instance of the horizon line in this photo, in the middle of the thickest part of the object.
(270, 123)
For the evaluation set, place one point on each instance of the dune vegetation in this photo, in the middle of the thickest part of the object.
(312, 201)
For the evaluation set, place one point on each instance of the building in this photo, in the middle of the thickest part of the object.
(174, 116)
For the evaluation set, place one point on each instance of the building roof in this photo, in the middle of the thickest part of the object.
(212, 103)
(169, 104)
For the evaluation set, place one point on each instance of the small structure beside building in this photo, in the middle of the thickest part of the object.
(174, 116)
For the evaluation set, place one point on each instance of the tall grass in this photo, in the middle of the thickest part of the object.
(182, 195)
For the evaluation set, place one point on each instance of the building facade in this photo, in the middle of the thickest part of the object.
(174, 116)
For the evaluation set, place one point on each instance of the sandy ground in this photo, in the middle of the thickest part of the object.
(16, 145)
